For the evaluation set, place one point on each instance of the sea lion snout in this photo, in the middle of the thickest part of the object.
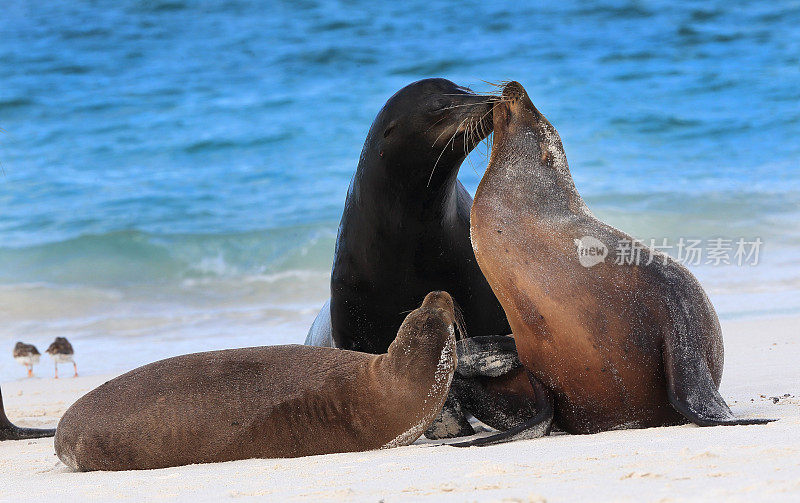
(509, 109)
(436, 313)
(518, 101)
(516, 117)
(439, 299)
(513, 91)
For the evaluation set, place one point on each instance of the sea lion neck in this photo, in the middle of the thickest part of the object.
(424, 347)
(528, 163)
(389, 189)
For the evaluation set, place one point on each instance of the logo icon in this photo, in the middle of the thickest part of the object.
(591, 251)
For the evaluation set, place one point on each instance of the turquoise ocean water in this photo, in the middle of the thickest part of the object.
(173, 171)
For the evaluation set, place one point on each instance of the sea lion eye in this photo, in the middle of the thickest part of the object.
(440, 104)
(388, 130)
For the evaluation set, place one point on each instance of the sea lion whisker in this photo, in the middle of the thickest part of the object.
(442, 152)
(470, 104)
(443, 132)
(478, 95)
(499, 86)
(489, 99)
(481, 120)
(489, 142)
(483, 134)
(489, 102)
(477, 141)
(461, 326)
(478, 130)
(437, 139)
(431, 126)
(487, 82)
(468, 137)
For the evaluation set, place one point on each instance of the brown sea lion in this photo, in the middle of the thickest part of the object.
(618, 345)
(266, 402)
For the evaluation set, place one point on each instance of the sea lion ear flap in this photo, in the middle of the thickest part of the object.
(389, 128)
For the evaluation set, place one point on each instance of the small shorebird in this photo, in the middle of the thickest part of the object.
(61, 351)
(26, 354)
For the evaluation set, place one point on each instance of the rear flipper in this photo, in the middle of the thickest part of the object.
(10, 432)
(502, 402)
(484, 385)
(487, 356)
(537, 426)
(452, 421)
(692, 391)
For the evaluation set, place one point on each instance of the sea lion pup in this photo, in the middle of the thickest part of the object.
(10, 432)
(266, 402)
(619, 346)
(405, 231)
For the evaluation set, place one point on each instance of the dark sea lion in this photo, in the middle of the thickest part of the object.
(405, 229)
(405, 224)
(618, 345)
(10, 432)
(267, 402)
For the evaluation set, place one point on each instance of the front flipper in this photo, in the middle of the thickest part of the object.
(538, 426)
(487, 356)
(10, 432)
(485, 385)
(452, 421)
(502, 402)
(494, 385)
(692, 391)
(321, 333)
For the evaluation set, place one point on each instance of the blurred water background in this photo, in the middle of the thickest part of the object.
(173, 171)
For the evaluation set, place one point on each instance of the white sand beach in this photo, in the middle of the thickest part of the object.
(684, 463)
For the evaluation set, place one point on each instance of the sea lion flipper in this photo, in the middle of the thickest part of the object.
(16, 433)
(451, 421)
(691, 389)
(490, 356)
(538, 426)
(321, 334)
(10, 432)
